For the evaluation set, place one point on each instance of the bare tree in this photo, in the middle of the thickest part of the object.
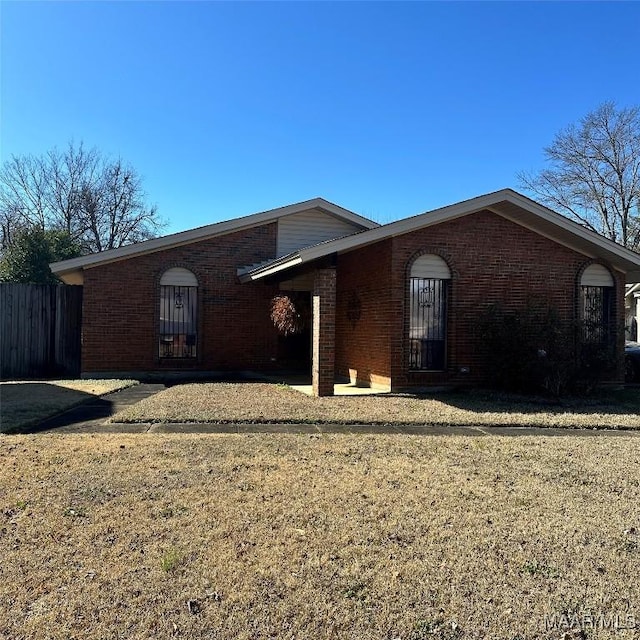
(112, 209)
(98, 201)
(22, 195)
(66, 175)
(594, 173)
(10, 225)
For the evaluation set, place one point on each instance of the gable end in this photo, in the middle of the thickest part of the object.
(309, 228)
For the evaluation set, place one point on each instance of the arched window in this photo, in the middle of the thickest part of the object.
(178, 314)
(428, 282)
(596, 302)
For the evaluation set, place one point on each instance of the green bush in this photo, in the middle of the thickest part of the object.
(533, 350)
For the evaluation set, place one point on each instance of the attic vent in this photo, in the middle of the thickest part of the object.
(596, 275)
(178, 277)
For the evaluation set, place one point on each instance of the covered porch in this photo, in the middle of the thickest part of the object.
(319, 281)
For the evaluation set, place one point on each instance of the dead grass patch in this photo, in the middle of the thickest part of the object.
(262, 402)
(27, 402)
(328, 536)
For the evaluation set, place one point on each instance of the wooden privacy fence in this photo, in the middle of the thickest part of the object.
(40, 328)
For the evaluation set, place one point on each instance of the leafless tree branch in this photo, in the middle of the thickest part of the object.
(593, 173)
(98, 201)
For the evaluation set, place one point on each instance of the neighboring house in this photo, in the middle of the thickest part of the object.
(393, 306)
(632, 312)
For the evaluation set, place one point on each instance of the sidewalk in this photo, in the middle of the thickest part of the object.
(364, 429)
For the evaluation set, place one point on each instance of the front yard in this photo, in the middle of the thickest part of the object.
(323, 536)
(262, 402)
(27, 402)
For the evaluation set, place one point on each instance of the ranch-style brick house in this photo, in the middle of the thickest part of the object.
(392, 306)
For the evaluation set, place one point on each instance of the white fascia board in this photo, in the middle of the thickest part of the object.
(485, 202)
(569, 225)
(345, 214)
(474, 205)
(397, 228)
(249, 277)
(573, 246)
(400, 227)
(209, 231)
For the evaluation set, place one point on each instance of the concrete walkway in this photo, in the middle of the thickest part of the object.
(92, 416)
(359, 429)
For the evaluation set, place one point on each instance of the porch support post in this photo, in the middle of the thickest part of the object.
(324, 330)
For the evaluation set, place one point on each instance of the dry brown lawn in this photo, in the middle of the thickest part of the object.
(261, 402)
(323, 536)
(29, 401)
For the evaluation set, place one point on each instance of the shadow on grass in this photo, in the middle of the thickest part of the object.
(231, 377)
(31, 407)
(619, 402)
(615, 402)
(623, 402)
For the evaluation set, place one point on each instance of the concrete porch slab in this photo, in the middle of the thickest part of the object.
(302, 383)
(341, 389)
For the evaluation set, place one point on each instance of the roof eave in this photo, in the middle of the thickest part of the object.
(209, 231)
(592, 243)
(270, 269)
(577, 229)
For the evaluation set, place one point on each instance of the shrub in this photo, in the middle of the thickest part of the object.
(533, 350)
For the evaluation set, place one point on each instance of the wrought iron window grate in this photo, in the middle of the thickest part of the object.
(427, 328)
(597, 314)
(178, 321)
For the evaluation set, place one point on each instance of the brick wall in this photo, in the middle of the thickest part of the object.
(365, 318)
(324, 313)
(492, 260)
(121, 307)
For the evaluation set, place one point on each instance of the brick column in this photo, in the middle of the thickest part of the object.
(324, 330)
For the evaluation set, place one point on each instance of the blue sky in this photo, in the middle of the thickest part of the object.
(388, 109)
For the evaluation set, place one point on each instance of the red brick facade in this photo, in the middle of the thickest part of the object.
(361, 319)
(121, 308)
(492, 260)
(324, 330)
(366, 316)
